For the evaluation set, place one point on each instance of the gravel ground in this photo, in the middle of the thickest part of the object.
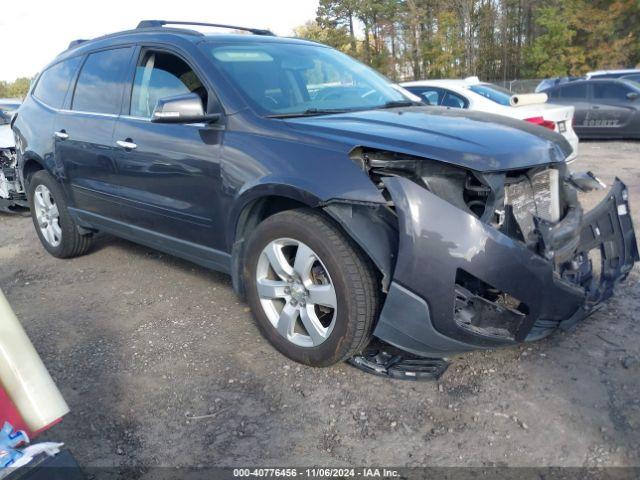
(161, 364)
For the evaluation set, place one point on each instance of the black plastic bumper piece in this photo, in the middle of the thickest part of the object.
(59, 467)
(388, 361)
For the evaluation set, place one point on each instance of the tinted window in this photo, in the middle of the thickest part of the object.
(100, 84)
(574, 90)
(610, 91)
(54, 82)
(431, 96)
(160, 75)
(453, 100)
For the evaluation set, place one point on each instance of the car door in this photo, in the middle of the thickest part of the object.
(577, 95)
(84, 131)
(169, 174)
(612, 111)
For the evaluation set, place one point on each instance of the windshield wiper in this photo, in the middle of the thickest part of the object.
(309, 113)
(400, 103)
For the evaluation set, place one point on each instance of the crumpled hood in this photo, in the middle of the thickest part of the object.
(475, 140)
(6, 137)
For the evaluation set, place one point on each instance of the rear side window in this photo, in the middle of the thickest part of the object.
(610, 91)
(454, 101)
(160, 75)
(53, 84)
(431, 96)
(576, 90)
(101, 82)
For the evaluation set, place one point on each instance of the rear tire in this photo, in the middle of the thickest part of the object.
(55, 227)
(341, 322)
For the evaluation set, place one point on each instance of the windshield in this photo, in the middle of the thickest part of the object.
(493, 92)
(288, 79)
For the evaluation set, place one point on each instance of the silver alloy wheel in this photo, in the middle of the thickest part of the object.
(296, 292)
(47, 215)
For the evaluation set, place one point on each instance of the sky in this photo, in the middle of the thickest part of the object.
(35, 31)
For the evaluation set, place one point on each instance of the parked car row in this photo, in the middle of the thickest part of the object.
(473, 94)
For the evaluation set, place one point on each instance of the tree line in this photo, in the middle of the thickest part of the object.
(16, 89)
(493, 39)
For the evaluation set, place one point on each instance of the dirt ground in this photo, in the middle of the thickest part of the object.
(161, 364)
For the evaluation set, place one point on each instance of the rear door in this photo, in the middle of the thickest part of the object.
(169, 174)
(84, 131)
(612, 112)
(576, 94)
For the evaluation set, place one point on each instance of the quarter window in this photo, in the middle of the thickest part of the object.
(160, 75)
(101, 82)
(431, 96)
(54, 82)
(453, 100)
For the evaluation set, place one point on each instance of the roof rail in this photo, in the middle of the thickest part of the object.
(162, 23)
(75, 43)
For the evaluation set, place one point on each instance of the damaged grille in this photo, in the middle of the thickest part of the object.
(537, 195)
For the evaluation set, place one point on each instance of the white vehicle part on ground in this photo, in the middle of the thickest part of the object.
(528, 99)
(24, 377)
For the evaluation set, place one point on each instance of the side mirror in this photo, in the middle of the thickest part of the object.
(633, 95)
(186, 108)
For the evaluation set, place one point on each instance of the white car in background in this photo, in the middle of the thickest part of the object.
(473, 94)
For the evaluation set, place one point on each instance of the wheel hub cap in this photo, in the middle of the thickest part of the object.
(47, 215)
(296, 292)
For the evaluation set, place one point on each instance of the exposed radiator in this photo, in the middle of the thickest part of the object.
(538, 195)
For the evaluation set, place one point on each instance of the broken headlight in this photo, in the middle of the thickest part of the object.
(473, 192)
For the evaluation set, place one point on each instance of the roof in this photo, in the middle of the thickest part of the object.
(148, 30)
(453, 82)
(608, 72)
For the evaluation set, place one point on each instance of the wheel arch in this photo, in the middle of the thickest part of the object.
(251, 208)
(370, 226)
(30, 165)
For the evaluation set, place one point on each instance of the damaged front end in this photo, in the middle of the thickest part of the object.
(490, 259)
(13, 198)
(12, 195)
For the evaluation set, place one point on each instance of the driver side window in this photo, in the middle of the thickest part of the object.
(160, 75)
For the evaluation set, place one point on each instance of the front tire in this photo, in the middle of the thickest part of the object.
(312, 291)
(55, 227)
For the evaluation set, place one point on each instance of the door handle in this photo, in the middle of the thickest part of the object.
(595, 107)
(126, 144)
(62, 135)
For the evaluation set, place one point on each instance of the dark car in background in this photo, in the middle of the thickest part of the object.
(604, 108)
(619, 73)
(340, 207)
